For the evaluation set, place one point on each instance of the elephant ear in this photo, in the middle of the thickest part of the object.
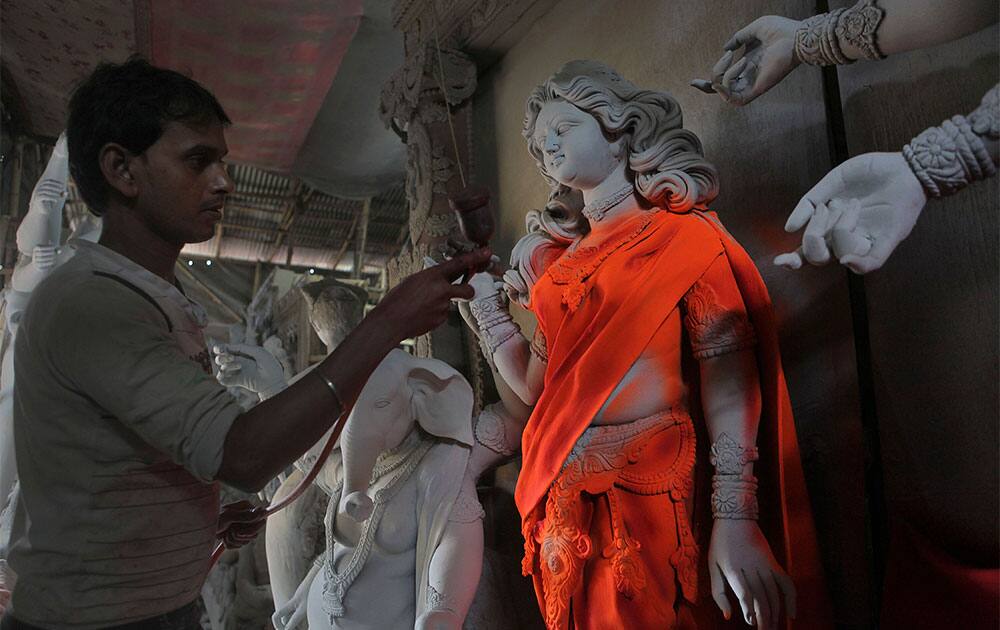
(442, 400)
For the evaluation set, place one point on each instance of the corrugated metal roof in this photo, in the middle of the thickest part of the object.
(276, 219)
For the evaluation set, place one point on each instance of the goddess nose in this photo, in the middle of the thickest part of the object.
(551, 146)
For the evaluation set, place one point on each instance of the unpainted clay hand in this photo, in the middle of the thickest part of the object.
(768, 56)
(483, 284)
(738, 555)
(857, 214)
(293, 613)
(249, 367)
(43, 257)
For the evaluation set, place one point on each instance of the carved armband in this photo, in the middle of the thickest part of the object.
(948, 158)
(539, 347)
(714, 329)
(491, 432)
(467, 508)
(734, 495)
(496, 326)
(817, 41)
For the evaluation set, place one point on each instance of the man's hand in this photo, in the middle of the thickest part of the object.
(858, 213)
(420, 303)
(768, 56)
(240, 523)
(250, 367)
(738, 555)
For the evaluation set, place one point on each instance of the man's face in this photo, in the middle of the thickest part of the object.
(182, 182)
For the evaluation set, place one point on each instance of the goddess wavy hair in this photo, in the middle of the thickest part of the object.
(665, 161)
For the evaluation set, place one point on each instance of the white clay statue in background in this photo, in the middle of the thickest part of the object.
(39, 253)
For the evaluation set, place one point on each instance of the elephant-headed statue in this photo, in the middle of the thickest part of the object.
(404, 530)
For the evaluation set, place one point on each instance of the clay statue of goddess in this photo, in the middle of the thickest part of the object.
(39, 254)
(655, 361)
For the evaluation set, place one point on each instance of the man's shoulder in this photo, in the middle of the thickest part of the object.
(78, 289)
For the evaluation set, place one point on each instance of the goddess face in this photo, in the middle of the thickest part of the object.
(575, 151)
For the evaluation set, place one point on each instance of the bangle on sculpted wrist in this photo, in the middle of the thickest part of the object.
(734, 494)
(948, 158)
(817, 41)
(496, 326)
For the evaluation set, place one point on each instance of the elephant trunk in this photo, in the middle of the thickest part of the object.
(361, 444)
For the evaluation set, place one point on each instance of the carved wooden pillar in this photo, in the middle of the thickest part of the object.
(414, 104)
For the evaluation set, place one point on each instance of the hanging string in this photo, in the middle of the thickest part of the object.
(447, 106)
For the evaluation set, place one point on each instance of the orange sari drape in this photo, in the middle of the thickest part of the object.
(597, 324)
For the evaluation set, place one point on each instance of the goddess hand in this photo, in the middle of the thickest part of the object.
(768, 56)
(740, 556)
(872, 197)
(249, 367)
(43, 257)
(293, 613)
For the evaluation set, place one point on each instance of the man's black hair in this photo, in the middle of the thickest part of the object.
(129, 104)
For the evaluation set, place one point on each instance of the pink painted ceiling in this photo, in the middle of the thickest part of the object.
(269, 62)
(49, 46)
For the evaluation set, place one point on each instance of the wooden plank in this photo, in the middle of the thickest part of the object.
(361, 239)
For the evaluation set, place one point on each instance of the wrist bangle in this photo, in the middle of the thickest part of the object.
(948, 158)
(857, 27)
(734, 497)
(333, 390)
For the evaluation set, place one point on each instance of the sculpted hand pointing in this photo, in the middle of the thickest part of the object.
(768, 56)
(858, 213)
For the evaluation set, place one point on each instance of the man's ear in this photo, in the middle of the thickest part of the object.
(116, 162)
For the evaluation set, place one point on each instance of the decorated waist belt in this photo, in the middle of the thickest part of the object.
(605, 461)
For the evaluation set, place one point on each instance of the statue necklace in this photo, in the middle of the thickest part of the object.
(596, 210)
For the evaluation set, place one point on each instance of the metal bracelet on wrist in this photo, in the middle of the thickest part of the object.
(333, 389)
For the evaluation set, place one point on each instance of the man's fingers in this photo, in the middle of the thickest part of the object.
(790, 260)
(459, 264)
(461, 292)
(788, 588)
(719, 591)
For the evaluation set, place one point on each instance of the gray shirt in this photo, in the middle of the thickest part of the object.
(119, 428)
